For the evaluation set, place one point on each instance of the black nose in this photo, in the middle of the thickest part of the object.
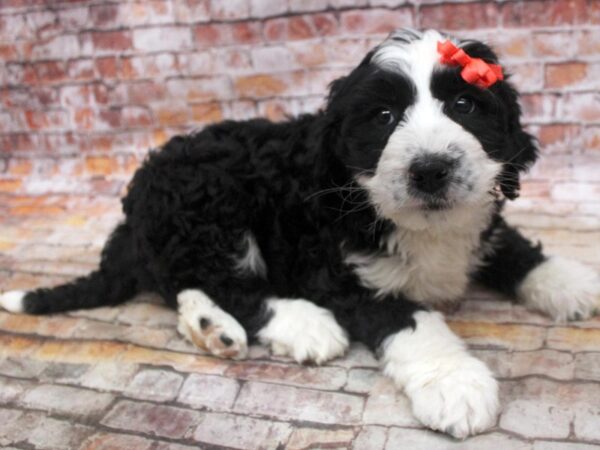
(430, 174)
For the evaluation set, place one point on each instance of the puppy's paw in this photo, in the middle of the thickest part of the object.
(450, 390)
(209, 327)
(12, 301)
(303, 331)
(562, 288)
(459, 398)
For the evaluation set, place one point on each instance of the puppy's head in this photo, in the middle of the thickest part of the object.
(428, 147)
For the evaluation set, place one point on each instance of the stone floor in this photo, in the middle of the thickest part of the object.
(121, 378)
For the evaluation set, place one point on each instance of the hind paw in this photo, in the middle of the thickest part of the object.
(210, 328)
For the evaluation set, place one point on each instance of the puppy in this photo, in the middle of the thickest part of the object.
(348, 224)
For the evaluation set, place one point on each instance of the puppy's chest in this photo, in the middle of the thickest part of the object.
(424, 268)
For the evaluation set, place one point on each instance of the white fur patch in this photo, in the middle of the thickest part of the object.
(428, 266)
(304, 331)
(562, 288)
(252, 260)
(210, 328)
(12, 301)
(449, 389)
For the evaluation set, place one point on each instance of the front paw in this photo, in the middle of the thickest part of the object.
(562, 288)
(459, 397)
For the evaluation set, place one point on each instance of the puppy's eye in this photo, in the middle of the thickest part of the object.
(464, 105)
(385, 117)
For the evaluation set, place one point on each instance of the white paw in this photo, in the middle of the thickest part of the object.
(12, 301)
(460, 401)
(450, 390)
(209, 327)
(562, 288)
(304, 331)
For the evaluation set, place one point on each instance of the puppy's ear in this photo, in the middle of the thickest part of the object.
(338, 88)
(522, 148)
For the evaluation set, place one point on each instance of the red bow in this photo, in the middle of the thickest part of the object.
(475, 70)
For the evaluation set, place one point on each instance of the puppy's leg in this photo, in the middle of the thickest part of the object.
(561, 288)
(302, 330)
(450, 390)
(209, 327)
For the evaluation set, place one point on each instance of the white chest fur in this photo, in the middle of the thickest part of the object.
(424, 266)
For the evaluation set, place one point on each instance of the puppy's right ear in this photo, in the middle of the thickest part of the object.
(339, 87)
(335, 88)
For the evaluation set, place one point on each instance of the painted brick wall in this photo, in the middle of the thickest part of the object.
(86, 87)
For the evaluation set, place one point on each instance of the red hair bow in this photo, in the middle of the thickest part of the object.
(475, 70)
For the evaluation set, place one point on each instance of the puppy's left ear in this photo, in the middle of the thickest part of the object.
(522, 148)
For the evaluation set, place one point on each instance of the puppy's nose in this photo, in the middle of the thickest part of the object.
(430, 174)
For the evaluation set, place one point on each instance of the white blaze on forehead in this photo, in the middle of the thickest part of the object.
(417, 59)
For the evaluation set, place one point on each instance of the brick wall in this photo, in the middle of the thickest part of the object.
(86, 87)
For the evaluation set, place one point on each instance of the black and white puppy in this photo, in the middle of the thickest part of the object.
(346, 224)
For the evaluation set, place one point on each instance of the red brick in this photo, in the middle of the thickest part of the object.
(207, 113)
(81, 69)
(158, 420)
(101, 165)
(163, 38)
(67, 400)
(555, 44)
(73, 18)
(171, 116)
(459, 16)
(107, 66)
(135, 116)
(557, 135)
(84, 118)
(375, 21)
(104, 15)
(17, 142)
(260, 86)
(591, 138)
(10, 185)
(581, 106)
(59, 47)
(44, 23)
(113, 441)
(513, 45)
(8, 51)
(565, 74)
(539, 13)
(291, 403)
(233, 431)
(588, 43)
(229, 10)
(145, 91)
(50, 72)
(211, 35)
(44, 120)
(539, 106)
(187, 11)
(112, 40)
(300, 27)
(266, 8)
(148, 66)
(20, 167)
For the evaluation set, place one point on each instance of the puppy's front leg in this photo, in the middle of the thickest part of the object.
(562, 288)
(450, 390)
